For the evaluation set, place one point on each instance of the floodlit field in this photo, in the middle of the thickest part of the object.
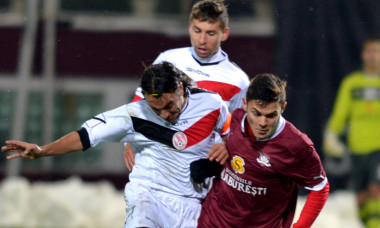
(73, 203)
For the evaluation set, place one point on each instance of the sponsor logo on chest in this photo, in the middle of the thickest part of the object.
(241, 184)
(263, 160)
(189, 69)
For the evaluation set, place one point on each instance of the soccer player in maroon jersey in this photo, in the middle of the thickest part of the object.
(268, 159)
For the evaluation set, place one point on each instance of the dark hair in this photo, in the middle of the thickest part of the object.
(211, 11)
(267, 88)
(163, 78)
(370, 40)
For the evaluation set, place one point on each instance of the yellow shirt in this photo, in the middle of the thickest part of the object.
(357, 107)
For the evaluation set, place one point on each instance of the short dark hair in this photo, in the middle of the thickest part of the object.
(370, 40)
(163, 78)
(267, 88)
(210, 11)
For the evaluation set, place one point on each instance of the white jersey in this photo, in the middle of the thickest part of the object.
(165, 149)
(217, 74)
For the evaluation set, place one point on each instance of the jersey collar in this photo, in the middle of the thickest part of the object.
(280, 127)
(212, 60)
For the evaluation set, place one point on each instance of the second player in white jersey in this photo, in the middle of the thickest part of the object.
(216, 73)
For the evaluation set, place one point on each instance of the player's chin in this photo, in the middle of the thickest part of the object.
(203, 54)
(261, 135)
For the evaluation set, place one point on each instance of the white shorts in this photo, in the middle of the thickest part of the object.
(150, 208)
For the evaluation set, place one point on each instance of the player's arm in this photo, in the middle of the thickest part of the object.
(332, 145)
(308, 172)
(129, 156)
(314, 203)
(218, 152)
(217, 156)
(69, 143)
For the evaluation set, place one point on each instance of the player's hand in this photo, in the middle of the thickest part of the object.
(218, 152)
(129, 157)
(21, 149)
(332, 146)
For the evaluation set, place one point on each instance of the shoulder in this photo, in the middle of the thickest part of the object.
(237, 115)
(175, 52)
(206, 94)
(176, 56)
(206, 97)
(294, 139)
(233, 66)
(137, 109)
(238, 74)
(353, 77)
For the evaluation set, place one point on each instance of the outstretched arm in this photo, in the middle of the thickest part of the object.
(68, 143)
(314, 203)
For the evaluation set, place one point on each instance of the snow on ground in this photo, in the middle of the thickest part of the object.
(74, 203)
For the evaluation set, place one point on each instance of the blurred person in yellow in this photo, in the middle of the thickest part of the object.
(356, 113)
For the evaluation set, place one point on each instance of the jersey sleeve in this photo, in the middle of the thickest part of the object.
(160, 58)
(341, 108)
(138, 95)
(224, 121)
(110, 126)
(307, 170)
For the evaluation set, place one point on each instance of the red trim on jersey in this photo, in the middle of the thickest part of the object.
(225, 90)
(202, 128)
(137, 98)
(227, 125)
(313, 206)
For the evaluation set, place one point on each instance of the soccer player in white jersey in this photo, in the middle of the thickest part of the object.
(172, 127)
(205, 62)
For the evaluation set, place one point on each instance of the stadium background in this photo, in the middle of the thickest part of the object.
(62, 61)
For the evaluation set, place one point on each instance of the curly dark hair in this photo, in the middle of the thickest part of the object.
(163, 78)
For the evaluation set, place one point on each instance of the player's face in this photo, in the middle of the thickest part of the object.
(371, 55)
(206, 37)
(169, 105)
(263, 120)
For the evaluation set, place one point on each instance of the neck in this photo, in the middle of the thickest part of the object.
(216, 57)
(372, 70)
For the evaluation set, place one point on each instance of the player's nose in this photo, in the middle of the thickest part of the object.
(262, 121)
(164, 114)
(202, 38)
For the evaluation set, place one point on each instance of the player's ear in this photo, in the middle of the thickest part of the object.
(284, 106)
(181, 89)
(225, 34)
(244, 104)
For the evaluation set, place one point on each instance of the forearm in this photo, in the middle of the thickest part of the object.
(68, 143)
(313, 206)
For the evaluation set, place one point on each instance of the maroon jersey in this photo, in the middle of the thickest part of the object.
(258, 186)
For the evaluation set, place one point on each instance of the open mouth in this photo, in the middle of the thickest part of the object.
(202, 50)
